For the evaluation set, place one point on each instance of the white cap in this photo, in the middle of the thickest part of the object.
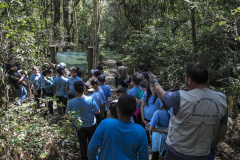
(62, 65)
(93, 71)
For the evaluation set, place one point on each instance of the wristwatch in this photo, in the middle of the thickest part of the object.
(154, 81)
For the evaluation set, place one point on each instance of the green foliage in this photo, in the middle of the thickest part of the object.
(24, 134)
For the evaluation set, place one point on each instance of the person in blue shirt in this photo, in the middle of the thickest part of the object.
(85, 108)
(149, 105)
(35, 83)
(120, 139)
(48, 87)
(158, 126)
(136, 80)
(59, 90)
(103, 109)
(106, 88)
(70, 84)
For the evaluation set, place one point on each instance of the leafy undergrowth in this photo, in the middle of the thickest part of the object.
(26, 133)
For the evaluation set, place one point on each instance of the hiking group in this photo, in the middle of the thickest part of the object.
(173, 125)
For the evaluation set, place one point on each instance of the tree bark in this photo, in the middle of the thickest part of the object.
(56, 34)
(194, 52)
(96, 29)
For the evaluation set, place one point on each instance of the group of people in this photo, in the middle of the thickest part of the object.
(176, 124)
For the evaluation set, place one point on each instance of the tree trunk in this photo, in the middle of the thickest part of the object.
(56, 32)
(194, 52)
(66, 20)
(96, 30)
(53, 56)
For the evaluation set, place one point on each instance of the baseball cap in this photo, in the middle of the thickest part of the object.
(101, 78)
(62, 65)
(89, 87)
(122, 89)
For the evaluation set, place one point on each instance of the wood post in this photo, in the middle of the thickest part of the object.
(90, 60)
(53, 56)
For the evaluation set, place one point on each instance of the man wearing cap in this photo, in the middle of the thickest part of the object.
(84, 108)
(199, 119)
(70, 84)
(120, 139)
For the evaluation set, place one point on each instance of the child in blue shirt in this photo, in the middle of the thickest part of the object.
(120, 139)
(106, 88)
(158, 126)
(70, 84)
(149, 105)
(35, 83)
(48, 87)
(103, 109)
(59, 89)
(85, 108)
(136, 80)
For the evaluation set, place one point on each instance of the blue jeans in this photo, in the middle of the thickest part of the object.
(21, 93)
(172, 154)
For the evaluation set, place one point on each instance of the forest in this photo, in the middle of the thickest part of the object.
(165, 35)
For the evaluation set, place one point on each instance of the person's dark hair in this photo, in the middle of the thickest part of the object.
(197, 72)
(145, 75)
(101, 78)
(97, 73)
(11, 57)
(74, 69)
(113, 109)
(119, 63)
(79, 73)
(79, 86)
(60, 71)
(49, 70)
(142, 66)
(149, 94)
(136, 79)
(127, 105)
(94, 81)
(99, 67)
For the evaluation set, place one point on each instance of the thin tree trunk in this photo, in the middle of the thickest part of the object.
(96, 30)
(194, 52)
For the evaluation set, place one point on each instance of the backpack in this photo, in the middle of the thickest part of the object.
(48, 84)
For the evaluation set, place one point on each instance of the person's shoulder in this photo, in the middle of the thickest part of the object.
(137, 127)
(109, 122)
(78, 78)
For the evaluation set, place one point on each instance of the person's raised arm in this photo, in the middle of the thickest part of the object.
(158, 88)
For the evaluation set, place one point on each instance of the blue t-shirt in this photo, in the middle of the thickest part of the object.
(134, 91)
(48, 84)
(118, 141)
(107, 91)
(98, 98)
(60, 84)
(102, 95)
(160, 119)
(70, 84)
(172, 99)
(84, 108)
(150, 109)
(35, 79)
